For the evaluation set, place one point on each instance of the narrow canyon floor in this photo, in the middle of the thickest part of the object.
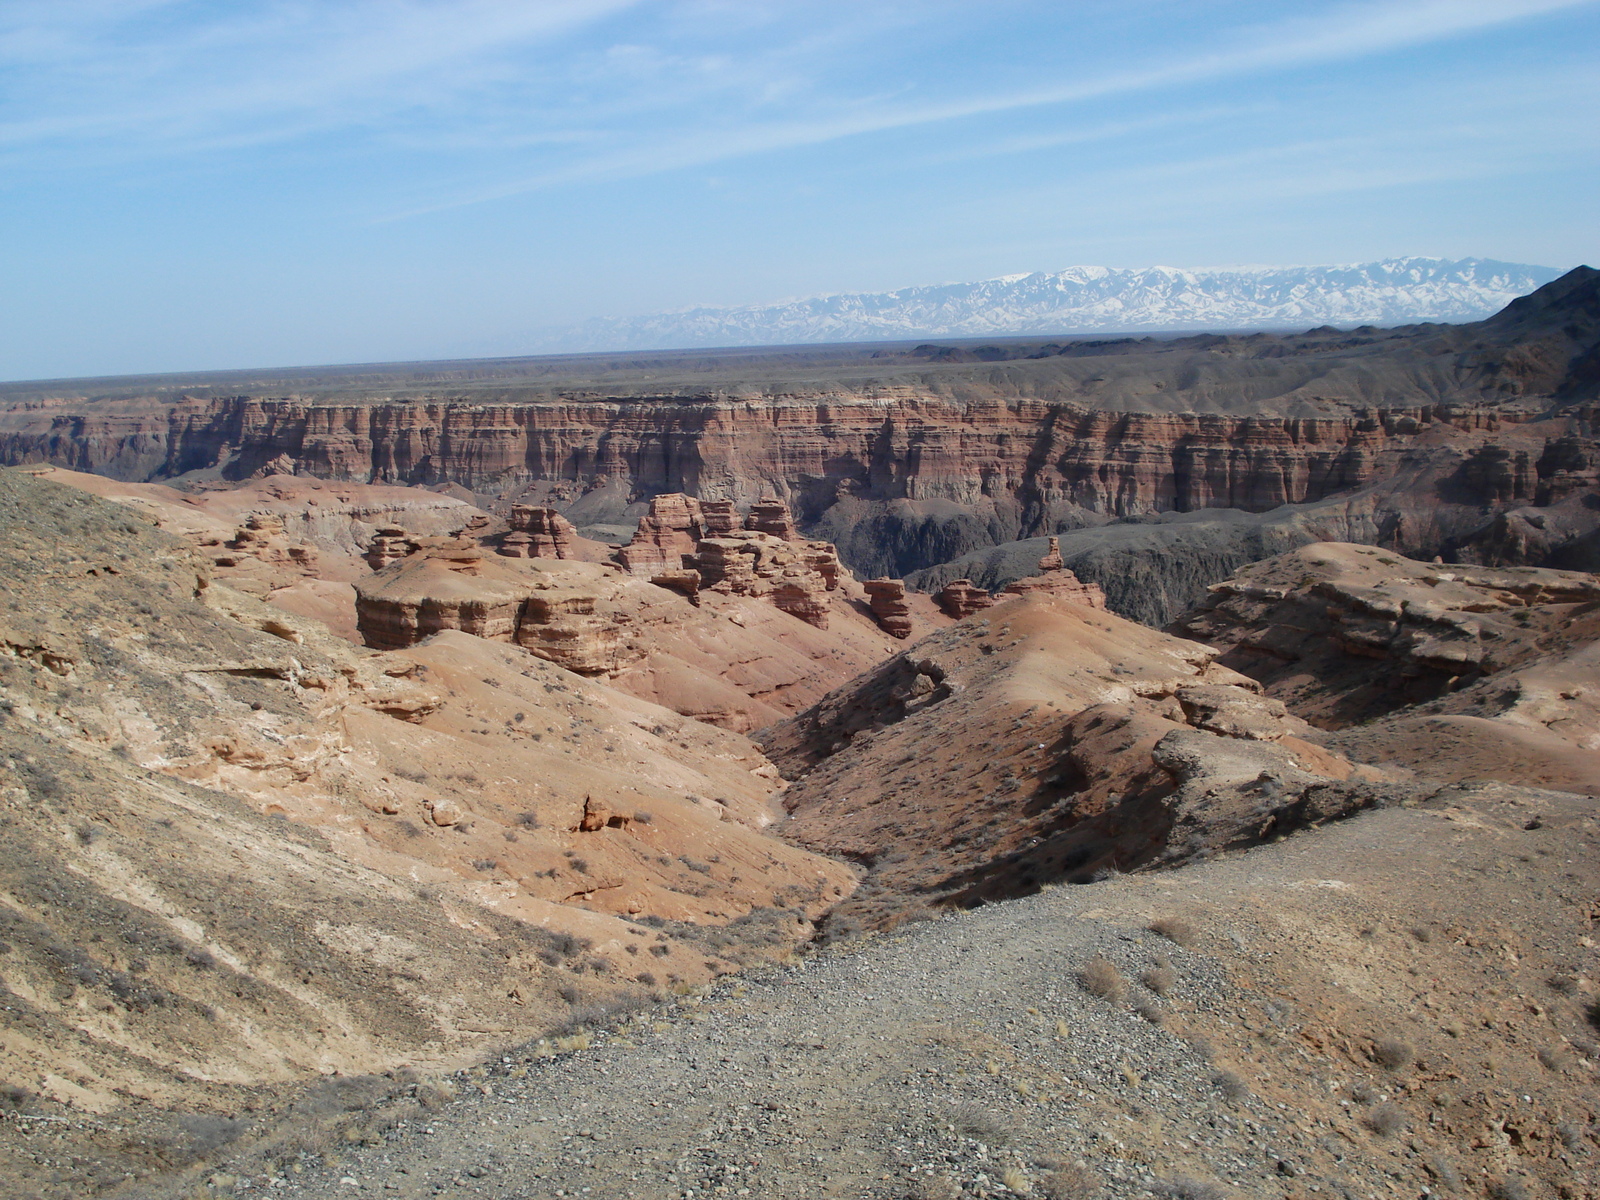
(1390, 1006)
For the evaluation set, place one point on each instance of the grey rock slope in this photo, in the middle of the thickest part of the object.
(1091, 299)
(966, 1058)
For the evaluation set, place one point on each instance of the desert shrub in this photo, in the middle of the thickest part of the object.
(1183, 1187)
(661, 949)
(200, 957)
(980, 1124)
(208, 1133)
(644, 818)
(1230, 1085)
(435, 1095)
(1176, 929)
(412, 773)
(528, 820)
(580, 865)
(1160, 980)
(1101, 978)
(1364, 1093)
(1069, 1181)
(1512, 1187)
(1553, 1058)
(484, 864)
(1567, 985)
(1444, 1171)
(409, 828)
(14, 1098)
(1152, 1012)
(1392, 1053)
(1385, 1120)
(1570, 1133)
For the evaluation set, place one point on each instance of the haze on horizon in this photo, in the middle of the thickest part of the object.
(196, 185)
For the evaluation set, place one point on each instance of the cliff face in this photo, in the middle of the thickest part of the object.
(1012, 468)
(904, 468)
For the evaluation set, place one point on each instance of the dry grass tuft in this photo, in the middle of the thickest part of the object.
(1070, 1181)
(1160, 980)
(1386, 1120)
(1392, 1053)
(1179, 930)
(1101, 978)
(1183, 1187)
(1230, 1085)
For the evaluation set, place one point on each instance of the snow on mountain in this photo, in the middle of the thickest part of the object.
(1396, 291)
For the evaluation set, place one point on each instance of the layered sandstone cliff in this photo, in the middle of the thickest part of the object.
(756, 628)
(1460, 672)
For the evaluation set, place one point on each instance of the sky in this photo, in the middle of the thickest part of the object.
(207, 184)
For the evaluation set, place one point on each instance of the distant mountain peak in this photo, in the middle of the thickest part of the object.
(1089, 299)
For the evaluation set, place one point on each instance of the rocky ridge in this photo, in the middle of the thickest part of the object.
(704, 624)
(241, 851)
(1457, 672)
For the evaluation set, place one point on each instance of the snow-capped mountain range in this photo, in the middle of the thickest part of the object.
(1396, 291)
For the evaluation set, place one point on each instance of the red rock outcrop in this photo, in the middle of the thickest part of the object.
(959, 598)
(1043, 744)
(389, 545)
(1056, 580)
(538, 532)
(718, 518)
(772, 516)
(887, 600)
(1022, 465)
(429, 592)
(1052, 560)
(666, 538)
(759, 564)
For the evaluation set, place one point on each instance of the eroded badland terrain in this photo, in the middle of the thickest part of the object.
(1091, 768)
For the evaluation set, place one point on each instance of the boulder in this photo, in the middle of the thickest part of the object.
(538, 532)
(772, 516)
(959, 598)
(887, 600)
(666, 537)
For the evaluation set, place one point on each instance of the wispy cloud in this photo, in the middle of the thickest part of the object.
(1351, 31)
(113, 70)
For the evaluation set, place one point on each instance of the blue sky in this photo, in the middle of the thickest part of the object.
(198, 184)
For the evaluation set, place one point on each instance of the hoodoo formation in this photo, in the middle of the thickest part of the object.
(402, 737)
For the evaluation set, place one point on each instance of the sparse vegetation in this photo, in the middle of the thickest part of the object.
(1554, 1058)
(1160, 980)
(1101, 978)
(1511, 1187)
(528, 820)
(1385, 1120)
(1230, 1085)
(412, 773)
(980, 1124)
(1069, 1181)
(1183, 1187)
(1178, 930)
(1392, 1053)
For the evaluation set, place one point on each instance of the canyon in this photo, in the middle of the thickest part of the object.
(358, 750)
(910, 458)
